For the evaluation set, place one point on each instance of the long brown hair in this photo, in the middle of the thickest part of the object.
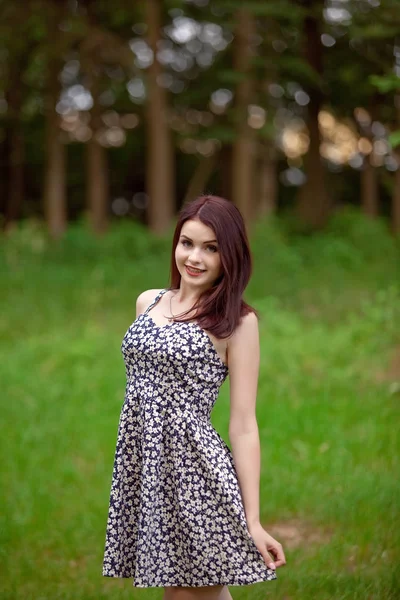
(220, 308)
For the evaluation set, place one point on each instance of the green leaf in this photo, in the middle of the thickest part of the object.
(267, 132)
(375, 31)
(394, 139)
(278, 10)
(300, 70)
(222, 133)
(386, 83)
(231, 77)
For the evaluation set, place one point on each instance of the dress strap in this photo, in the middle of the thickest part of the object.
(156, 299)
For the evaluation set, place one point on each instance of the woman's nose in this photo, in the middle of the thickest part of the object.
(194, 255)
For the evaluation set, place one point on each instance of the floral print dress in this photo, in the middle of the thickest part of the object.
(176, 516)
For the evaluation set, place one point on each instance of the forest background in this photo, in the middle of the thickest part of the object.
(112, 115)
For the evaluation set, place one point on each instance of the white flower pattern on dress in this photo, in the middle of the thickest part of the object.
(176, 516)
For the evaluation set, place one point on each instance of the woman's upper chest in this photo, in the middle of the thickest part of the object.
(158, 316)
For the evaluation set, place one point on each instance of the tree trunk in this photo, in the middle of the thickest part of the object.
(55, 199)
(369, 174)
(396, 200)
(3, 178)
(160, 168)
(243, 155)
(97, 177)
(16, 148)
(313, 200)
(268, 181)
(369, 189)
(54, 194)
(97, 186)
(97, 183)
(200, 177)
(396, 188)
(16, 178)
(225, 172)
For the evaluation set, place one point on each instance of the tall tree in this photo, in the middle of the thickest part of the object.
(268, 180)
(375, 37)
(390, 84)
(16, 144)
(55, 187)
(243, 151)
(160, 167)
(396, 183)
(313, 199)
(97, 185)
(13, 64)
(101, 49)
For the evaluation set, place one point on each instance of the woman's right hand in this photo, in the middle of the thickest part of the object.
(268, 546)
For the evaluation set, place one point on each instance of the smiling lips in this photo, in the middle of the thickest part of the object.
(194, 272)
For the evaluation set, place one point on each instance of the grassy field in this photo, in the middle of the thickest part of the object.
(328, 407)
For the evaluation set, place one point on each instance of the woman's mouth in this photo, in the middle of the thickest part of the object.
(193, 272)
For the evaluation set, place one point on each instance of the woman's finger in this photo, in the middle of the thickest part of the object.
(280, 559)
(268, 559)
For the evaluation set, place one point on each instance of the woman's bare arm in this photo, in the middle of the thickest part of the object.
(244, 360)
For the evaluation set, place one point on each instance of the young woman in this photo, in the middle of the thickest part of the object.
(184, 508)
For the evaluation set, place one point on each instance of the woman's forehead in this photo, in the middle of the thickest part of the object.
(196, 230)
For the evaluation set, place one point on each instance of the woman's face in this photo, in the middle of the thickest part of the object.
(197, 255)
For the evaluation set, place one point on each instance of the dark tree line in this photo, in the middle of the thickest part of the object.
(133, 108)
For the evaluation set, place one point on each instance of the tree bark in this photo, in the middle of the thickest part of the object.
(97, 177)
(243, 150)
(16, 178)
(97, 182)
(313, 201)
(396, 188)
(3, 178)
(54, 194)
(160, 168)
(225, 172)
(55, 197)
(97, 186)
(268, 181)
(369, 189)
(396, 199)
(16, 148)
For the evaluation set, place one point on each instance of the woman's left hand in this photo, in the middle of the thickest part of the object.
(268, 546)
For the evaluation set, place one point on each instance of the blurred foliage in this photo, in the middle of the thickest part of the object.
(344, 262)
(359, 61)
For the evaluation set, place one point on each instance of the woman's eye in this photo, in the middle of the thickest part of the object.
(188, 244)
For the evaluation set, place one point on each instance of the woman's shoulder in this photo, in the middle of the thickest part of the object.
(246, 329)
(146, 298)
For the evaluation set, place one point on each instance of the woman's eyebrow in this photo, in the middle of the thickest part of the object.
(188, 238)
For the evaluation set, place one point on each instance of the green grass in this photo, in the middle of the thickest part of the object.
(328, 407)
